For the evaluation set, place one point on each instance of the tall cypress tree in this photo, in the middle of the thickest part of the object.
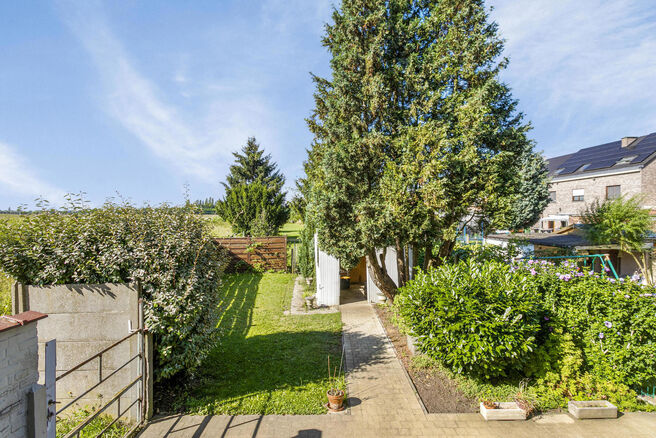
(414, 133)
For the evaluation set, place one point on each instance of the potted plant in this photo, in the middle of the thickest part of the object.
(335, 394)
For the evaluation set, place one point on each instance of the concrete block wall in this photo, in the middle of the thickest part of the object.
(18, 372)
(86, 319)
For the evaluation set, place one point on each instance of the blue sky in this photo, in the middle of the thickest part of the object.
(139, 98)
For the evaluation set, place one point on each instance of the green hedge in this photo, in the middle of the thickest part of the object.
(167, 249)
(561, 324)
(478, 318)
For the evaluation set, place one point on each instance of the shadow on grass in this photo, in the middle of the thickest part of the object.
(236, 306)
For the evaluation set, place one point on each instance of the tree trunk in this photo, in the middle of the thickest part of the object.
(445, 251)
(401, 263)
(380, 276)
(428, 256)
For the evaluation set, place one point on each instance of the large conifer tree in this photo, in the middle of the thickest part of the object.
(414, 133)
(251, 165)
(254, 202)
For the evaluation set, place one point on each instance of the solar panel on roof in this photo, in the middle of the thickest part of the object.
(602, 164)
(608, 154)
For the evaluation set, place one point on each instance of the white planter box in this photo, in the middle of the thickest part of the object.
(592, 409)
(504, 411)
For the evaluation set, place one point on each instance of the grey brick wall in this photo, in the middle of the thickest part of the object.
(595, 189)
(18, 372)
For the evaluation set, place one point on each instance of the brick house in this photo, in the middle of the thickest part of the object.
(625, 167)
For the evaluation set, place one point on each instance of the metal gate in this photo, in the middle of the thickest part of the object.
(143, 383)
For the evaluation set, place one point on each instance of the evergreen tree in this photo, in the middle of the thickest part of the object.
(254, 202)
(254, 209)
(251, 165)
(533, 194)
(413, 132)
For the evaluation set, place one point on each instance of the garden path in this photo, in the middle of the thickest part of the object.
(383, 404)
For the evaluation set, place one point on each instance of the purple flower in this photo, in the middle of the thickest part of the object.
(601, 336)
(612, 280)
(533, 272)
(546, 318)
(627, 296)
(607, 269)
(580, 274)
(608, 324)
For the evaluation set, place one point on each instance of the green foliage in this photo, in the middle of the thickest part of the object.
(5, 294)
(306, 252)
(167, 249)
(533, 193)
(254, 202)
(254, 209)
(65, 424)
(479, 318)
(615, 326)
(414, 130)
(624, 222)
(481, 253)
(594, 337)
(252, 166)
(206, 206)
(620, 220)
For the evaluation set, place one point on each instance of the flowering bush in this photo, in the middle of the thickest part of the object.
(576, 325)
(478, 318)
(167, 249)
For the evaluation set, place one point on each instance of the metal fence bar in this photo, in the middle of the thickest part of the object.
(91, 417)
(98, 384)
(81, 364)
(118, 417)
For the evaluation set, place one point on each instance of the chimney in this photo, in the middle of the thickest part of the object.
(627, 141)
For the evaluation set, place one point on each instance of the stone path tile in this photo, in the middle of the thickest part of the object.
(383, 404)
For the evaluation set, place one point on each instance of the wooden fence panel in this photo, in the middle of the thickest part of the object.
(268, 253)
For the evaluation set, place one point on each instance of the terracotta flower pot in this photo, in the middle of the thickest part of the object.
(335, 399)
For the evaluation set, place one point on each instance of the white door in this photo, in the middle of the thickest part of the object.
(327, 271)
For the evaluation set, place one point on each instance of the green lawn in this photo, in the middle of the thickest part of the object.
(266, 362)
(221, 228)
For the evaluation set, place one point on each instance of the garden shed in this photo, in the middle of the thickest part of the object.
(328, 273)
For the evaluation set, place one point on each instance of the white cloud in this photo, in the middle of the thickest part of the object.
(20, 179)
(136, 103)
(584, 68)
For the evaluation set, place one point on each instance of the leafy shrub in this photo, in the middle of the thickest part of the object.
(254, 209)
(5, 294)
(478, 318)
(167, 249)
(306, 252)
(483, 253)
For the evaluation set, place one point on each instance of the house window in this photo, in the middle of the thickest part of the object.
(626, 160)
(552, 196)
(578, 195)
(582, 168)
(613, 192)
(558, 171)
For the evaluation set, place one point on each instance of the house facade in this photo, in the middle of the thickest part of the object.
(625, 167)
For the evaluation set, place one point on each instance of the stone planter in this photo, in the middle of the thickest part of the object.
(592, 409)
(309, 301)
(412, 344)
(503, 411)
